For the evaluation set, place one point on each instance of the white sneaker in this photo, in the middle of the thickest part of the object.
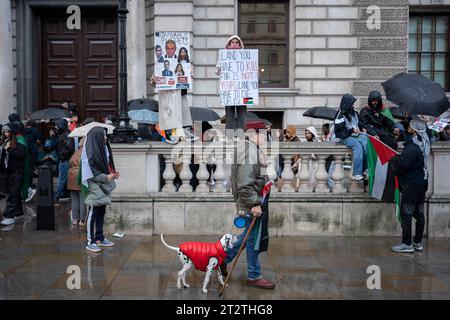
(8, 221)
(357, 177)
(93, 248)
(31, 194)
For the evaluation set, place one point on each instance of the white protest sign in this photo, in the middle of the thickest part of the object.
(439, 125)
(172, 60)
(238, 77)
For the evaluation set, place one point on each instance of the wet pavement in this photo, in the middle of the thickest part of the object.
(33, 265)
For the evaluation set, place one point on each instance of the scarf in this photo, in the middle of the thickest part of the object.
(422, 140)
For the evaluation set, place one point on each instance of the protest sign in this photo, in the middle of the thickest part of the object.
(439, 125)
(172, 60)
(238, 77)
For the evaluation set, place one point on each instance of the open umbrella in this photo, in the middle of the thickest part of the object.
(144, 116)
(415, 94)
(83, 130)
(143, 103)
(325, 113)
(50, 114)
(250, 116)
(203, 114)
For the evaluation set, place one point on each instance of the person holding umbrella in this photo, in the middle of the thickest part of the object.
(411, 169)
(248, 180)
(349, 128)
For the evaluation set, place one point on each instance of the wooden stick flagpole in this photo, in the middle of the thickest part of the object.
(237, 257)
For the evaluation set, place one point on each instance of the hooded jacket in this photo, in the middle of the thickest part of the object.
(346, 110)
(234, 37)
(409, 166)
(313, 130)
(227, 47)
(201, 252)
(293, 131)
(97, 162)
(376, 123)
(65, 146)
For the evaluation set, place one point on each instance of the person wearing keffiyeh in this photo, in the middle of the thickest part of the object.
(411, 169)
(97, 180)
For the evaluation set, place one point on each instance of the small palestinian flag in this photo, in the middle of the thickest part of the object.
(248, 100)
(383, 185)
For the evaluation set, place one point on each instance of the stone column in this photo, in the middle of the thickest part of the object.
(136, 49)
(287, 175)
(338, 175)
(202, 174)
(321, 175)
(219, 175)
(6, 65)
(169, 174)
(303, 175)
(186, 173)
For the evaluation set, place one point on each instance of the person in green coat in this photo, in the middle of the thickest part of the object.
(17, 129)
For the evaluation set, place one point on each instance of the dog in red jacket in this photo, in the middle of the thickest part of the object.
(205, 256)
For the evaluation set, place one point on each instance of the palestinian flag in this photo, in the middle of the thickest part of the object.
(248, 100)
(383, 185)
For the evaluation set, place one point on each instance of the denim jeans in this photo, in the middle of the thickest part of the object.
(359, 147)
(253, 266)
(62, 179)
(330, 181)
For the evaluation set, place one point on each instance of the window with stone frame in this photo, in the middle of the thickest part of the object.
(428, 46)
(264, 25)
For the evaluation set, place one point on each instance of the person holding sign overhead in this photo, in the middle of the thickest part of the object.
(234, 115)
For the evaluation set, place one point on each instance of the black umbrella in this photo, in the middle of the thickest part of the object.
(203, 114)
(321, 113)
(143, 103)
(50, 114)
(415, 94)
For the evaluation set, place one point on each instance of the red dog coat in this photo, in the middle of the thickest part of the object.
(201, 252)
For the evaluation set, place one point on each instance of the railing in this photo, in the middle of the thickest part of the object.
(205, 168)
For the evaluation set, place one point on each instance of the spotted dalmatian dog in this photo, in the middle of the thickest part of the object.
(204, 256)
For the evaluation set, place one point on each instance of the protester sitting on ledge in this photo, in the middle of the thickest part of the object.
(349, 128)
(378, 124)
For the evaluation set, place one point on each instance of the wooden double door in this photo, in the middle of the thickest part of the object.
(80, 66)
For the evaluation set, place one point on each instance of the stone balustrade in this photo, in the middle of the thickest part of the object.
(185, 189)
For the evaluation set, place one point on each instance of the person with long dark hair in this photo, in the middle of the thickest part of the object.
(12, 168)
(97, 182)
(183, 55)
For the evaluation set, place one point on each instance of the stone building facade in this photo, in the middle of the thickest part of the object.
(329, 49)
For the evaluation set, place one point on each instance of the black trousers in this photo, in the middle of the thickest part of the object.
(412, 205)
(95, 220)
(235, 118)
(12, 188)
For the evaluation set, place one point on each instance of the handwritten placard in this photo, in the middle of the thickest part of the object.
(172, 60)
(238, 77)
